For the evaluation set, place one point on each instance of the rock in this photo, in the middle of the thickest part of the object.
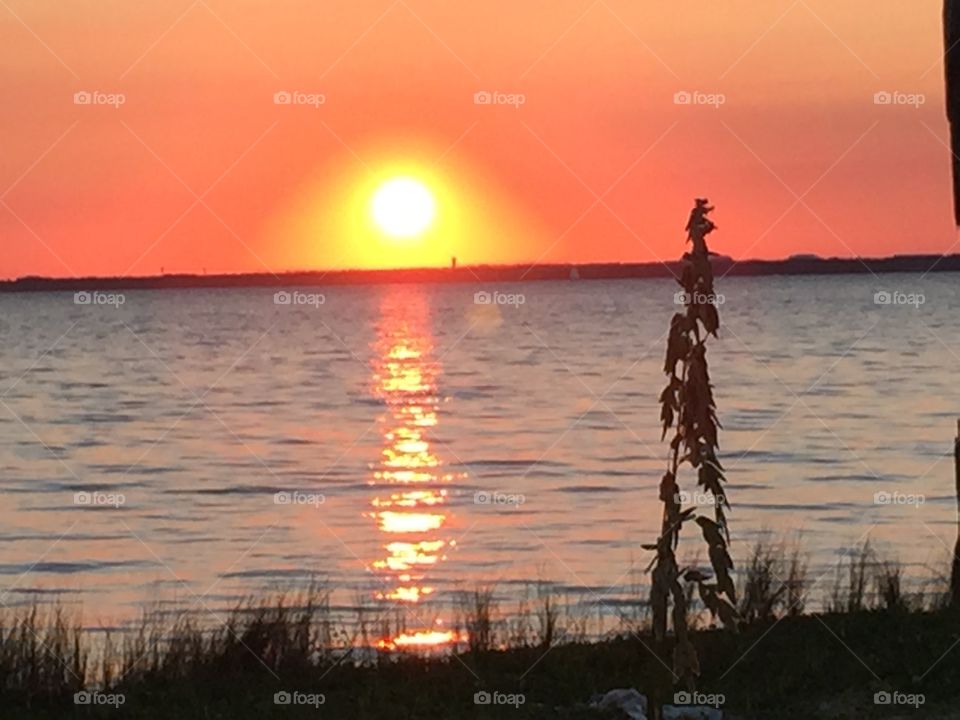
(628, 701)
(691, 712)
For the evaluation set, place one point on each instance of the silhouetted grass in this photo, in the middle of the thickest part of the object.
(170, 666)
(44, 656)
(773, 581)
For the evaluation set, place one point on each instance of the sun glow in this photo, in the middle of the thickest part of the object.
(403, 207)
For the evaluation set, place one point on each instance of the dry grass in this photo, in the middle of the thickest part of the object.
(46, 655)
(476, 612)
(43, 655)
(773, 580)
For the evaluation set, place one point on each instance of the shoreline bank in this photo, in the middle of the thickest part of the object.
(494, 273)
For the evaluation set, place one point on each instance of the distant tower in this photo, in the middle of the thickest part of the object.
(453, 263)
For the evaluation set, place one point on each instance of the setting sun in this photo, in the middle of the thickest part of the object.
(403, 207)
(506, 360)
(402, 211)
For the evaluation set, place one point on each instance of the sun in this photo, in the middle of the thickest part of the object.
(403, 207)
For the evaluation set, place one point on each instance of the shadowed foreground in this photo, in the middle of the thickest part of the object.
(823, 666)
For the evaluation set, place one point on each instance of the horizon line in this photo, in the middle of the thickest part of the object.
(720, 258)
(798, 264)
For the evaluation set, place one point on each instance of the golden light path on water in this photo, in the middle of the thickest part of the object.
(410, 503)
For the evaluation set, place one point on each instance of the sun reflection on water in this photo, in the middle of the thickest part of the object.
(410, 504)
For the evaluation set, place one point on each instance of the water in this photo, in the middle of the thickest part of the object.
(422, 444)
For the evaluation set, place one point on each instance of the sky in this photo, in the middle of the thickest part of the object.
(606, 118)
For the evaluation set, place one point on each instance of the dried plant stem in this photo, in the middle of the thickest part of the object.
(689, 411)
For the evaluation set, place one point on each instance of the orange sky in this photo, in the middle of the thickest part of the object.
(598, 163)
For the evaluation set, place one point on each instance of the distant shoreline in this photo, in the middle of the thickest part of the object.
(798, 265)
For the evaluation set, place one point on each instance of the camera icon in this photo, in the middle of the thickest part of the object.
(682, 98)
(882, 298)
(883, 98)
(681, 297)
(82, 698)
(282, 698)
(282, 498)
(82, 298)
(82, 97)
(482, 698)
(482, 297)
(882, 498)
(882, 698)
(482, 97)
(81, 498)
(682, 698)
(482, 497)
(282, 297)
(282, 97)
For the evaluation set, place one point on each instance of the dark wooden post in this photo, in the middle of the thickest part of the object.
(955, 570)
